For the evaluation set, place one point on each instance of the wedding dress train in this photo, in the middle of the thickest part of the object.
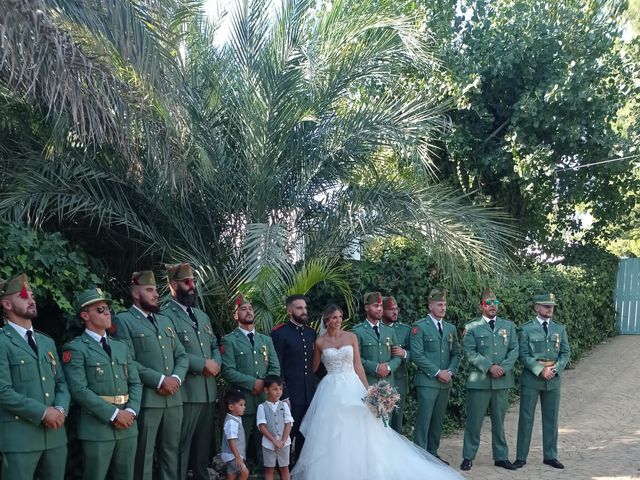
(345, 441)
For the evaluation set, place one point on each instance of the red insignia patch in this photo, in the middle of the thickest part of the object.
(277, 327)
(112, 329)
(66, 356)
(414, 330)
(23, 291)
(221, 348)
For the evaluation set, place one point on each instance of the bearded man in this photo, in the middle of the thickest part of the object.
(162, 365)
(199, 392)
(294, 341)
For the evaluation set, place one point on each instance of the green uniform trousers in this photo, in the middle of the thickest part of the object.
(159, 431)
(398, 414)
(196, 437)
(432, 408)
(117, 454)
(47, 464)
(478, 400)
(549, 405)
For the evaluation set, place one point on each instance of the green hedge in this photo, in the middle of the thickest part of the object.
(584, 291)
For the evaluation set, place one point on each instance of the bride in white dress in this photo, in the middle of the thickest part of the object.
(343, 439)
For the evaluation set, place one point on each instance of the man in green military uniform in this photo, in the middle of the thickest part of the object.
(544, 353)
(436, 353)
(199, 391)
(34, 397)
(248, 357)
(162, 365)
(491, 347)
(390, 312)
(104, 382)
(375, 341)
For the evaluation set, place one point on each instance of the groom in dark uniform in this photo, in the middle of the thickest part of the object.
(294, 342)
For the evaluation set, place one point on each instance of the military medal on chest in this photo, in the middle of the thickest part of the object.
(265, 354)
(503, 334)
(388, 344)
(450, 341)
(557, 335)
(53, 362)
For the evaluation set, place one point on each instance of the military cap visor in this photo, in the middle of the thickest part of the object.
(89, 297)
(545, 299)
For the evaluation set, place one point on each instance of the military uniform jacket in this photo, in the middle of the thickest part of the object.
(432, 353)
(90, 374)
(201, 345)
(402, 331)
(484, 348)
(374, 350)
(536, 347)
(294, 346)
(155, 351)
(29, 383)
(243, 364)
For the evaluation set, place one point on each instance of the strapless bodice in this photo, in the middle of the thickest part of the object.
(338, 360)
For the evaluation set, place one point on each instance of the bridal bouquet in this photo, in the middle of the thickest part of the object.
(382, 399)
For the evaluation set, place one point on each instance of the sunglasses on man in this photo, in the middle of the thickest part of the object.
(495, 302)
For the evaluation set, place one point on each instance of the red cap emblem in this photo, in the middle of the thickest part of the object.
(23, 291)
(66, 356)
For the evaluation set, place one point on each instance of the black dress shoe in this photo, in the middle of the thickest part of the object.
(553, 463)
(519, 463)
(443, 461)
(504, 464)
(466, 464)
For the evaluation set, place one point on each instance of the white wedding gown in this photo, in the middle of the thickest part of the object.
(344, 440)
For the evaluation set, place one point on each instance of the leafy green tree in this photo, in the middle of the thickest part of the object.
(541, 90)
(237, 156)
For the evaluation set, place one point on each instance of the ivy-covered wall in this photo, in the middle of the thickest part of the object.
(584, 292)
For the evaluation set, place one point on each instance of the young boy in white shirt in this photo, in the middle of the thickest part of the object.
(275, 421)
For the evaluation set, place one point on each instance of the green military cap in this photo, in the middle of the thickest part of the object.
(438, 295)
(372, 297)
(545, 299)
(488, 295)
(144, 277)
(388, 303)
(14, 285)
(88, 297)
(179, 271)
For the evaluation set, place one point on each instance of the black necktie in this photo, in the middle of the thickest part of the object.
(377, 330)
(106, 346)
(31, 341)
(492, 324)
(193, 318)
(152, 319)
(440, 327)
(250, 337)
(546, 329)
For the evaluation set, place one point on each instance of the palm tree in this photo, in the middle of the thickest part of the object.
(237, 155)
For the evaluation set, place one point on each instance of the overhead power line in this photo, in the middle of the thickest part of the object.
(610, 160)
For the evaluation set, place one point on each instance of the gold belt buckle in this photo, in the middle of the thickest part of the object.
(121, 399)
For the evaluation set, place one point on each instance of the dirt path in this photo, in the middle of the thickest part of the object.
(599, 435)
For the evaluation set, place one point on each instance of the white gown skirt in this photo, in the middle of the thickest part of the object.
(344, 440)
